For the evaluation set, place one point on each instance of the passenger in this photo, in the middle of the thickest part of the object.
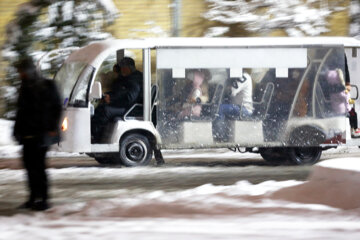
(236, 103)
(186, 101)
(196, 93)
(355, 131)
(125, 92)
(338, 97)
(238, 98)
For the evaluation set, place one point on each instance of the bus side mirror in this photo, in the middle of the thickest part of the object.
(96, 92)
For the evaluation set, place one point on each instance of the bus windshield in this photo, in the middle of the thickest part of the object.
(67, 77)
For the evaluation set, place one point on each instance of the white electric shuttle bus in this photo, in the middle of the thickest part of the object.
(281, 97)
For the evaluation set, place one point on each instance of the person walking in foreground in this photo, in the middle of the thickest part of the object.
(36, 128)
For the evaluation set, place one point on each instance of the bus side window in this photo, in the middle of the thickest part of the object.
(195, 93)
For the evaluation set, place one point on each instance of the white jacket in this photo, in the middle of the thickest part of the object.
(242, 95)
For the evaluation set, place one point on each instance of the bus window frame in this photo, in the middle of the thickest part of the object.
(78, 81)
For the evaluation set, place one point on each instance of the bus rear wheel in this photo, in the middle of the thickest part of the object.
(304, 155)
(276, 155)
(105, 158)
(135, 150)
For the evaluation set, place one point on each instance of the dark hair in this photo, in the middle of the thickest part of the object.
(27, 66)
(116, 68)
(127, 61)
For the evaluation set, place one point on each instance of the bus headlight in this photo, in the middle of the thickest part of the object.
(64, 125)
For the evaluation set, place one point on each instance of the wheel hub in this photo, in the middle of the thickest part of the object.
(136, 151)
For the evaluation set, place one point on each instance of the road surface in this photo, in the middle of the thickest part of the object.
(79, 179)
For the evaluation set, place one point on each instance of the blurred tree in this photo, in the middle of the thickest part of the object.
(261, 17)
(43, 25)
(355, 18)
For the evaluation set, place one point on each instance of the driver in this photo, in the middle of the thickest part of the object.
(125, 92)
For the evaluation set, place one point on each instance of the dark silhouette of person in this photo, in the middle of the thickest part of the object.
(36, 128)
(125, 92)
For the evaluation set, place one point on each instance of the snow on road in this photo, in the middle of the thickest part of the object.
(269, 210)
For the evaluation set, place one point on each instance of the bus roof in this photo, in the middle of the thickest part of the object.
(254, 42)
(96, 52)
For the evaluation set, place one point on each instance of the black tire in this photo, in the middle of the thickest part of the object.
(135, 150)
(107, 160)
(307, 136)
(304, 155)
(275, 155)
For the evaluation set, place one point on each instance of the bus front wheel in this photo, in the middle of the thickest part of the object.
(135, 150)
(304, 155)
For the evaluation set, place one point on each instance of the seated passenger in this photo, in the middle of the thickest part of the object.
(237, 101)
(195, 93)
(125, 92)
(237, 98)
(185, 98)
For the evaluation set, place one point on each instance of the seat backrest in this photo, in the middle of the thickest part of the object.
(263, 105)
(136, 110)
(217, 94)
(266, 99)
(154, 95)
(216, 99)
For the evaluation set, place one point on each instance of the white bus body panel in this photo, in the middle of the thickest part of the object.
(328, 125)
(122, 127)
(196, 132)
(247, 133)
(77, 137)
(119, 129)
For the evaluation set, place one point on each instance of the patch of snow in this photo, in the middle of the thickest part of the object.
(10, 151)
(53, 13)
(6, 138)
(269, 210)
(154, 29)
(216, 31)
(46, 32)
(68, 10)
(9, 92)
(349, 164)
(259, 15)
(355, 16)
(109, 6)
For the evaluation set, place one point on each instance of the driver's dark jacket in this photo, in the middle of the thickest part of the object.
(126, 91)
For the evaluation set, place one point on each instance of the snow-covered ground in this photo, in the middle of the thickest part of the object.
(326, 206)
